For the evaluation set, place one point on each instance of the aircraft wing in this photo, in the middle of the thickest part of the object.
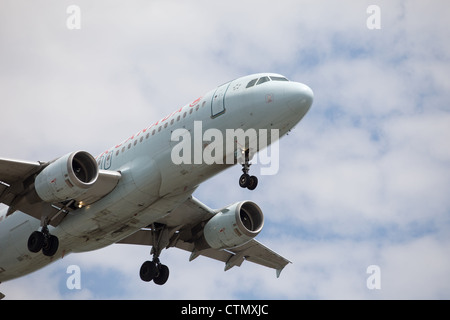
(193, 213)
(13, 174)
(17, 179)
(13, 170)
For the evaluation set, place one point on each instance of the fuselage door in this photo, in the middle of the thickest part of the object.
(218, 100)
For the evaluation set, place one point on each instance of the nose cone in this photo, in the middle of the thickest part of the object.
(300, 97)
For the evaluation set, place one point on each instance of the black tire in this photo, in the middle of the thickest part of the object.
(49, 249)
(252, 183)
(148, 271)
(163, 275)
(244, 180)
(36, 241)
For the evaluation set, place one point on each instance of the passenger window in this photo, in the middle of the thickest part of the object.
(262, 80)
(251, 83)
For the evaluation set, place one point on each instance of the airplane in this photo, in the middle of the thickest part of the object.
(139, 192)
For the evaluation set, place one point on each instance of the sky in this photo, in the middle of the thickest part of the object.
(360, 204)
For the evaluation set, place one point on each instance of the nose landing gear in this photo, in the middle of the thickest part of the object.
(246, 180)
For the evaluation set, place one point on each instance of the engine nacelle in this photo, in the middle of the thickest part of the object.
(234, 226)
(67, 177)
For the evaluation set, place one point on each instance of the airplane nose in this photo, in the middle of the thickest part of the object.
(300, 97)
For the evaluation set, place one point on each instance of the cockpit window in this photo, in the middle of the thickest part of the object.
(262, 80)
(251, 83)
(278, 78)
(265, 79)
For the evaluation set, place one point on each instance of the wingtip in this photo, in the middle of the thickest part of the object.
(194, 254)
(278, 271)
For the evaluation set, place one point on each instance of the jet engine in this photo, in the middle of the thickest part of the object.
(67, 177)
(234, 225)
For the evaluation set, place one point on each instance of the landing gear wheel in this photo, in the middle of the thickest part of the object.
(244, 180)
(43, 240)
(247, 181)
(51, 244)
(36, 241)
(148, 271)
(252, 183)
(162, 276)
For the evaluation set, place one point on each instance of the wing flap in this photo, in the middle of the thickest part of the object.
(258, 253)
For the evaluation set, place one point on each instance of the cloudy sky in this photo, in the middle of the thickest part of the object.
(364, 178)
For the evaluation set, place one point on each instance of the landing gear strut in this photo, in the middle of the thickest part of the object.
(43, 240)
(154, 270)
(246, 180)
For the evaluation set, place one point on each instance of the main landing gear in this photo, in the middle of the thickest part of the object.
(43, 240)
(246, 180)
(154, 270)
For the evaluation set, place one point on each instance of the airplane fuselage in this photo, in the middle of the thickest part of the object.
(152, 185)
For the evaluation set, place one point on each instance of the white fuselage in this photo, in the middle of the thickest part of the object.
(152, 185)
